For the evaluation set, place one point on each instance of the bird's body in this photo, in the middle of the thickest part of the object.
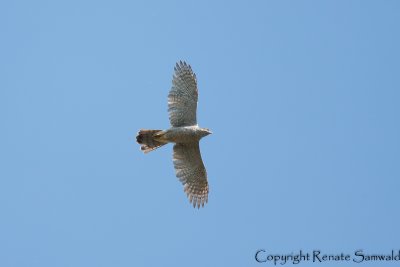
(184, 133)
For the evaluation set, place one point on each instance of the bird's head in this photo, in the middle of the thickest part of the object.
(206, 131)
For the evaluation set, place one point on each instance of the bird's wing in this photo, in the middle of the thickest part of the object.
(189, 169)
(182, 98)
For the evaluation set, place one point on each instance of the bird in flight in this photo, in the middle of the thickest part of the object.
(184, 133)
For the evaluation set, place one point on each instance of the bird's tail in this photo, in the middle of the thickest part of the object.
(150, 140)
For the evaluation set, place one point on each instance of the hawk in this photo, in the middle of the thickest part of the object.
(184, 133)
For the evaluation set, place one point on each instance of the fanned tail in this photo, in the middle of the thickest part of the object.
(148, 139)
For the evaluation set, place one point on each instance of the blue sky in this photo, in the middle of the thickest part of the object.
(302, 98)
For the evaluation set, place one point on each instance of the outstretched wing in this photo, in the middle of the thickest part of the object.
(182, 98)
(190, 171)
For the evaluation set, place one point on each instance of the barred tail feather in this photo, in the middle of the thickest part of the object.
(148, 140)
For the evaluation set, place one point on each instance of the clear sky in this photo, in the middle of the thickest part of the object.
(302, 98)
